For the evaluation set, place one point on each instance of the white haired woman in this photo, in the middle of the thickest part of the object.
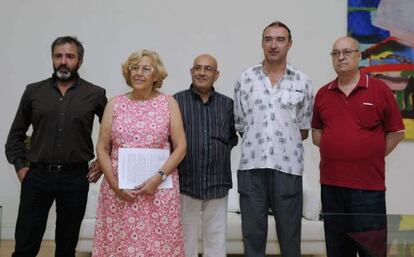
(144, 221)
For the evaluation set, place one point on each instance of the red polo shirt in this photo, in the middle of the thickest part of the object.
(353, 128)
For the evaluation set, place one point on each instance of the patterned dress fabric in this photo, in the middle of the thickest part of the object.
(149, 226)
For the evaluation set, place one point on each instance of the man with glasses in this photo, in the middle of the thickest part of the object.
(356, 123)
(205, 173)
(61, 110)
(273, 108)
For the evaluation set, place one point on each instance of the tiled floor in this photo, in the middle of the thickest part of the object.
(48, 248)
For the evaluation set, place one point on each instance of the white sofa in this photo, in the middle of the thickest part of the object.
(312, 229)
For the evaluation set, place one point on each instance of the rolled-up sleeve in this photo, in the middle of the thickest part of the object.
(239, 114)
(305, 111)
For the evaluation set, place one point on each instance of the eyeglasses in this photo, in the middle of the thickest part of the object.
(146, 69)
(207, 68)
(347, 52)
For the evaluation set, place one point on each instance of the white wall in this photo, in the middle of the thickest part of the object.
(178, 30)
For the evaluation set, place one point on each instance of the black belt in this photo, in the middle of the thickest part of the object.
(60, 167)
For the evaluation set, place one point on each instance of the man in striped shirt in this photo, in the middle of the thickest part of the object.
(205, 173)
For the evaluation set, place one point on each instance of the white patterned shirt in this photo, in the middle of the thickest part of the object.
(270, 119)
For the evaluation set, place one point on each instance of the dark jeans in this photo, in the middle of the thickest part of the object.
(355, 221)
(261, 189)
(38, 191)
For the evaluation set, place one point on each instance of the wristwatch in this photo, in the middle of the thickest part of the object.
(163, 175)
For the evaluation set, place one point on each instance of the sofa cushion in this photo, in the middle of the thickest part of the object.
(311, 191)
(233, 202)
(311, 202)
(88, 228)
(93, 199)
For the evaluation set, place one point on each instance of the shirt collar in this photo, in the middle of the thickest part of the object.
(197, 96)
(290, 70)
(362, 83)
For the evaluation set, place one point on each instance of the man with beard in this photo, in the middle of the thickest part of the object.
(54, 165)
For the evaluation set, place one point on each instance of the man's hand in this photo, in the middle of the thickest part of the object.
(316, 136)
(22, 173)
(95, 172)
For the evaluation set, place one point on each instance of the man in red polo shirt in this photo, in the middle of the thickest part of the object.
(356, 123)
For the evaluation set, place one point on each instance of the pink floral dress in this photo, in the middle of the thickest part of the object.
(149, 226)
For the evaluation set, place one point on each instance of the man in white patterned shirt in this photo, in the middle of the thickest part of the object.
(273, 110)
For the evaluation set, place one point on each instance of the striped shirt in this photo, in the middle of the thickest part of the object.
(205, 172)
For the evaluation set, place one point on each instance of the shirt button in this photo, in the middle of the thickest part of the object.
(60, 129)
(62, 114)
(61, 99)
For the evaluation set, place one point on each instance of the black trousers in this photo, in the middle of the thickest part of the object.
(39, 190)
(355, 222)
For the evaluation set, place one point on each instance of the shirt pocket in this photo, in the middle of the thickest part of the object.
(291, 97)
(368, 115)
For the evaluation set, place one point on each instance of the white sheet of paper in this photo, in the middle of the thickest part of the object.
(135, 165)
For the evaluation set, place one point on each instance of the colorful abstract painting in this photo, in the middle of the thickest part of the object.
(385, 31)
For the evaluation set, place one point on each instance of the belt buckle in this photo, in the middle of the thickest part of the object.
(55, 167)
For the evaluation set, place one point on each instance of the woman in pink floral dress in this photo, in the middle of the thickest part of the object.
(144, 221)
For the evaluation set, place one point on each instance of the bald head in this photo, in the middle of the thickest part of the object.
(206, 58)
(346, 56)
(204, 73)
(348, 41)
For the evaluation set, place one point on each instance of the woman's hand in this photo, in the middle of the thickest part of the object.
(126, 194)
(149, 186)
